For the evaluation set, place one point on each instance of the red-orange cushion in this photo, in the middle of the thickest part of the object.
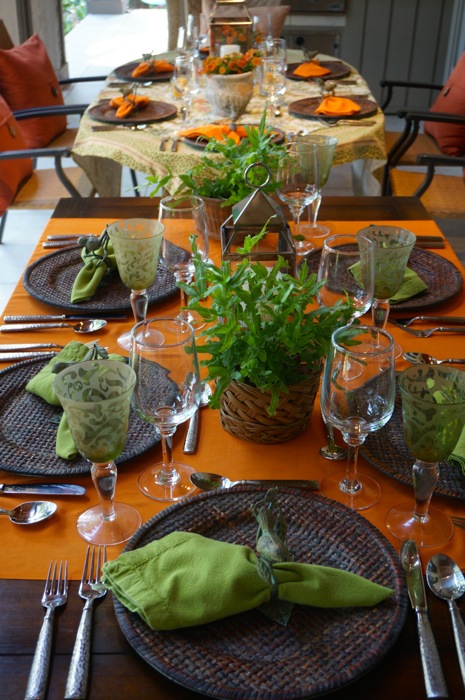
(450, 137)
(27, 79)
(12, 172)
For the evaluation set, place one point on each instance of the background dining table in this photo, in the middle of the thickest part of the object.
(117, 672)
(102, 153)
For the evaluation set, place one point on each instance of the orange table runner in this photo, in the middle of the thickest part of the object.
(26, 551)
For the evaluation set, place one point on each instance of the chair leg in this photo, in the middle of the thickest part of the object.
(135, 184)
(2, 224)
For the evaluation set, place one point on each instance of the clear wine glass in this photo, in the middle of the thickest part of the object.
(433, 415)
(136, 245)
(339, 255)
(273, 76)
(298, 184)
(96, 398)
(326, 146)
(183, 216)
(167, 393)
(357, 397)
(197, 32)
(392, 250)
(186, 82)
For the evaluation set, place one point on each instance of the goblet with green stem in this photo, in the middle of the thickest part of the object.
(357, 397)
(96, 398)
(433, 415)
(136, 245)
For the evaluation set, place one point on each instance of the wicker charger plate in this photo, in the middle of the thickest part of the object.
(249, 656)
(154, 112)
(28, 427)
(386, 450)
(50, 279)
(124, 72)
(444, 280)
(307, 107)
(338, 70)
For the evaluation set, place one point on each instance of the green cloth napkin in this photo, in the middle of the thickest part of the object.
(411, 286)
(42, 385)
(186, 579)
(457, 458)
(89, 277)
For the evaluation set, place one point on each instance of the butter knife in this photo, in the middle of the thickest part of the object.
(12, 356)
(62, 317)
(432, 671)
(46, 489)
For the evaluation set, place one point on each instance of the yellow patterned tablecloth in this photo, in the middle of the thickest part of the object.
(102, 153)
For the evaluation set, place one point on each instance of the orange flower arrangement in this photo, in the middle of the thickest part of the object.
(232, 64)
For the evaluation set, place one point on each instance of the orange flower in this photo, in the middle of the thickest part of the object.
(232, 64)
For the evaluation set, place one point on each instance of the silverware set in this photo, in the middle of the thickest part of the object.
(165, 140)
(405, 324)
(55, 595)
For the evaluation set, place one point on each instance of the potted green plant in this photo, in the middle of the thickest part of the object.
(265, 340)
(218, 177)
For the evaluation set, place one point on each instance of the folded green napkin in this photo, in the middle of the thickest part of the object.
(42, 385)
(185, 579)
(97, 264)
(457, 458)
(411, 286)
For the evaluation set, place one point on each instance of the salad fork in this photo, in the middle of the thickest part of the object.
(90, 589)
(460, 320)
(427, 332)
(55, 594)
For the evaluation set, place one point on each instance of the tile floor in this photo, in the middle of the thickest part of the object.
(94, 47)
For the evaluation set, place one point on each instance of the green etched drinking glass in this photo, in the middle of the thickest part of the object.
(96, 397)
(136, 244)
(433, 413)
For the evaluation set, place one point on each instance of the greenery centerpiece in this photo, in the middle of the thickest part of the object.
(218, 176)
(265, 339)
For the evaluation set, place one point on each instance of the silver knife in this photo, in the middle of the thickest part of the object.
(13, 347)
(49, 489)
(432, 671)
(11, 356)
(62, 317)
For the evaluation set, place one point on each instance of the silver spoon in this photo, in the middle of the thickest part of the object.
(30, 512)
(90, 326)
(192, 434)
(447, 582)
(425, 359)
(211, 482)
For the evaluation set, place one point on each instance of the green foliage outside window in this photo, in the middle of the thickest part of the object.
(73, 12)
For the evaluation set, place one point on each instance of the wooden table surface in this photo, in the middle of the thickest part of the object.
(117, 673)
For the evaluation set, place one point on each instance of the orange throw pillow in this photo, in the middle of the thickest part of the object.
(450, 137)
(12, 172)
(27, 79)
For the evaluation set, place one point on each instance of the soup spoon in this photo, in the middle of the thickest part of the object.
(425, 359)
(447, 582)
(90, 326)
(211, 482)
(30, 512)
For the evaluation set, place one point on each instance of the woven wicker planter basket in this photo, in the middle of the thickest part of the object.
(243, 411)
(216, 216)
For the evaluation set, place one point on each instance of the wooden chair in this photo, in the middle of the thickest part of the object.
(443, 195)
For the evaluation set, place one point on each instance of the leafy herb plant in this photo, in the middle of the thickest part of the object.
(263, 327)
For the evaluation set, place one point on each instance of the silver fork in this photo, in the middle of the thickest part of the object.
(426, 333)
(458, 522)
(90, 589)
(55, 594)
(460, 320)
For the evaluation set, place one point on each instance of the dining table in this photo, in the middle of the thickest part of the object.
(119, 670)
(155, 145)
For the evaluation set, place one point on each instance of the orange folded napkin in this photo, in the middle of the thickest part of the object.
(311, 70)
(162, 66)
(143, 68)
(126, 105)
(334, 106)
(156, 66)
(212, 131)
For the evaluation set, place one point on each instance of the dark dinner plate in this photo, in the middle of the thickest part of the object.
(28, 427)
(248, 655)
(307, 107)
(124, 72)
(50, 279)
(154, 112)
(338, 70)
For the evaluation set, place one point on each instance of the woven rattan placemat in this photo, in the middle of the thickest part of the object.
(50, 279)
(249, 656)
(28, 427)
(386, 450)
(442, 277)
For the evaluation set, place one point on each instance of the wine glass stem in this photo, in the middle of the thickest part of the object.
(314, 209)
(104, 478)
(168, 476)
(425, 477)
(350, 484)
(380, 311)
(139, 302)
